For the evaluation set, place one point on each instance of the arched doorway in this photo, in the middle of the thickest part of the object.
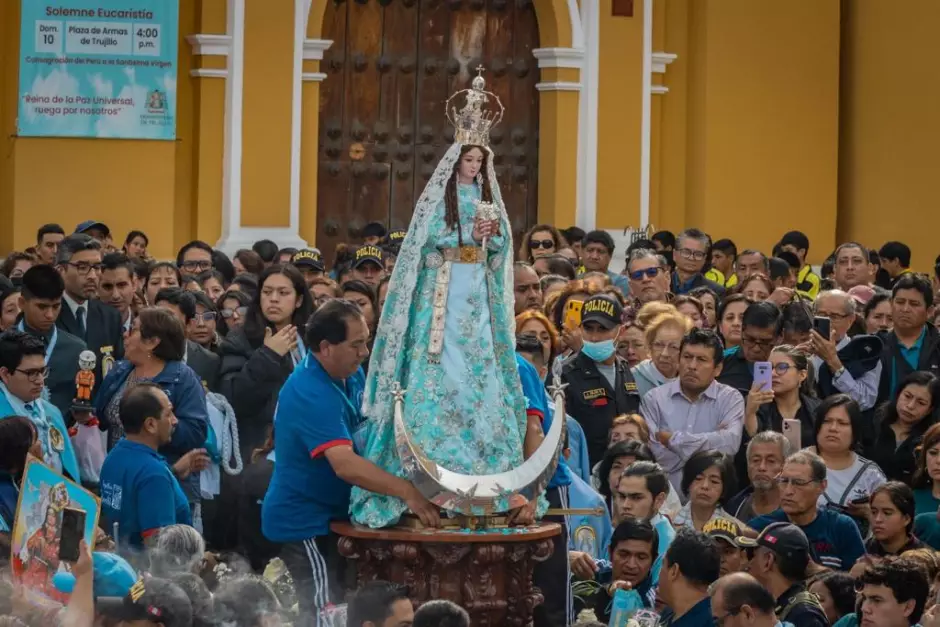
(390, 68)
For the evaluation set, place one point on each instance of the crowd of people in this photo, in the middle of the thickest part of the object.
(761, 438)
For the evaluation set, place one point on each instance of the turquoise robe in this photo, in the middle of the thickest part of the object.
(467, 412)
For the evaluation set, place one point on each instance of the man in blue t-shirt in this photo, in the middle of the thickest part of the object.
(315, 439)
(833, 537)
(139, 491)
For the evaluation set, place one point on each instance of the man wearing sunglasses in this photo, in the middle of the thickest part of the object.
(834, 537)
(648, 273)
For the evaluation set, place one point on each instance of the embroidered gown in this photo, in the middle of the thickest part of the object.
(466, 412)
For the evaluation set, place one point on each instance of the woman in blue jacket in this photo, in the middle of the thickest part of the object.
(154, 350)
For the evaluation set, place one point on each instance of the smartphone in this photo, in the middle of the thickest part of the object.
(73, 531)
(791, 431)
(573, 314)
(860, 500)
(822, 326)
(763, 374)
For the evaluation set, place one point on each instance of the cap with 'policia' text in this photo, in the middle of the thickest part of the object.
(368, 254)
(604, 310)
(308, 258)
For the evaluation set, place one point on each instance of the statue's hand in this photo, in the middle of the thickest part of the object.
(485, 228)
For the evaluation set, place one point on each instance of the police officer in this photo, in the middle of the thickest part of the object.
(600, 386)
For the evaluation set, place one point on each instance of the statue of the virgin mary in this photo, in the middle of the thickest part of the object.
(447, 333)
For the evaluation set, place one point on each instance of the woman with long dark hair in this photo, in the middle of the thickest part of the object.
(902, 423)
(258, 357)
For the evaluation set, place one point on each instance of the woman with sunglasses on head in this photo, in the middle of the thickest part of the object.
(539, 241)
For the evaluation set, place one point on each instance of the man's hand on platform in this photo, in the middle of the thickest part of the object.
(425, 510)
(522, 516)
(582, 564)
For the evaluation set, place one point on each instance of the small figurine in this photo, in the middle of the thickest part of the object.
(84, 381)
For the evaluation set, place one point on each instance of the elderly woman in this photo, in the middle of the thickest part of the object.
(663, 338)
(153, 351)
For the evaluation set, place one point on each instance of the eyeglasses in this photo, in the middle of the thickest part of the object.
(798, 483)
(196, 265)
(535, 244)
(782, 368)
(84, 267)
(688, 253)
(747, 339)
(648, 273)
(241, 311)
(720, 620)
(35, 374)
(662, 347)
(207, 316)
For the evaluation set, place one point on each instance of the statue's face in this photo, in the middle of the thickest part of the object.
(470, 164)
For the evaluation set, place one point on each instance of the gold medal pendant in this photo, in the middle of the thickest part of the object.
(56, 440)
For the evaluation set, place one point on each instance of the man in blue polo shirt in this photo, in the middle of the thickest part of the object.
(138, 489)
(316, 427)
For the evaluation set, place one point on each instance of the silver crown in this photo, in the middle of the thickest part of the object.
(473, 123)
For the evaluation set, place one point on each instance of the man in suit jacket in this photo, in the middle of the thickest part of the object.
(40, 302)
(82, 314)
(204, 363)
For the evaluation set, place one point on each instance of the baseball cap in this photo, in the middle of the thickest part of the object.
(366, 254)
(603, 310)
(862, 294)
(723, 529)
(113, 576)
(152, 599)
(396, 237)
(87, 225)
(785, 539)
(308, 258)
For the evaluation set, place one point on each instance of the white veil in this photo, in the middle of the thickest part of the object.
(389, 355)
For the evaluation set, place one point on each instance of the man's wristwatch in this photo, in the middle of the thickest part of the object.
(838, 373)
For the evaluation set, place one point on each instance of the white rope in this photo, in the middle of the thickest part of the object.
(229, 448)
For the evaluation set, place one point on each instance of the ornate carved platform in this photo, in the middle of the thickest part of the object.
(488, 573)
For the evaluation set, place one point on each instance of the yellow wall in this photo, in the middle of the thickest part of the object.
(890, 127)
(266, 159)
(619, 109)
(749, 128)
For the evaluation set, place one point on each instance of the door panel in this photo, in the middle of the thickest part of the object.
(392, 66)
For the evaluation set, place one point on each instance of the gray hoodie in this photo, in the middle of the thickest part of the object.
(647, 377)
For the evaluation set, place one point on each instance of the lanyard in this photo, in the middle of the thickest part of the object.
(50, 346)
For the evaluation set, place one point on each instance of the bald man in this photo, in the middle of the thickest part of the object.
(739, 600)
